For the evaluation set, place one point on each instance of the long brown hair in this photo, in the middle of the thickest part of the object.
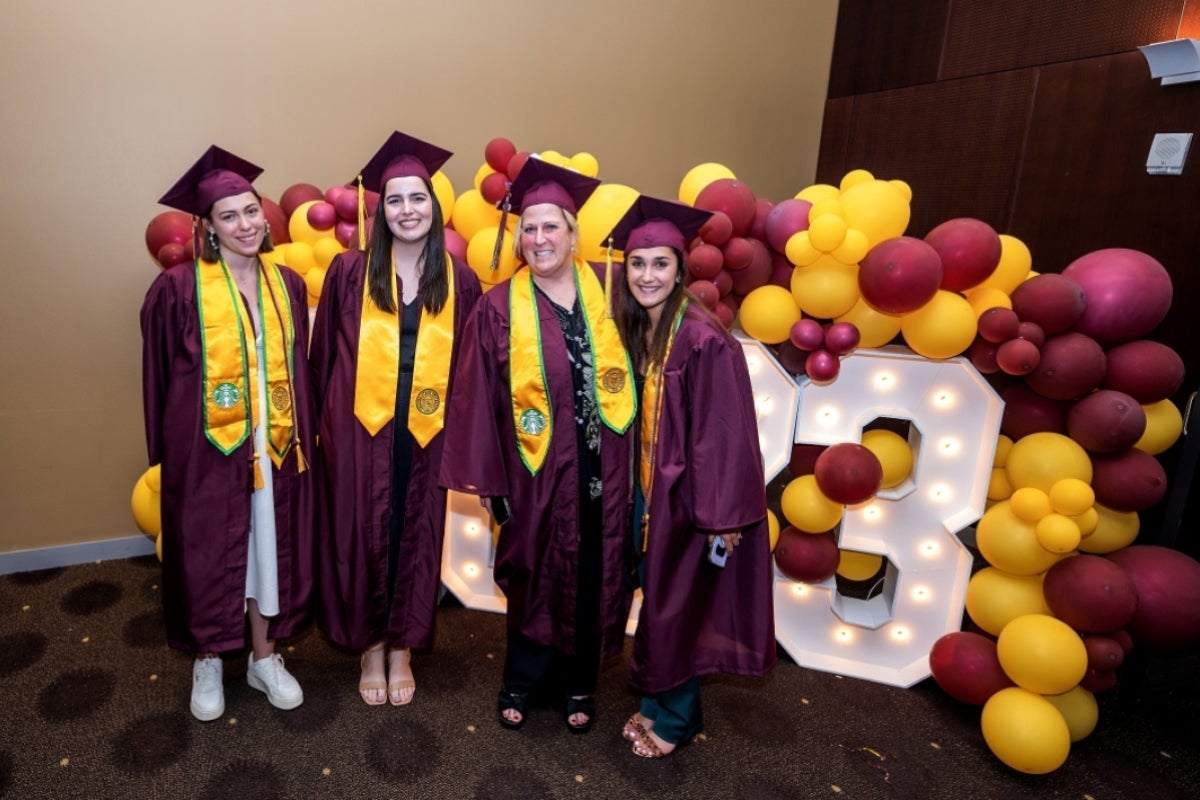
(634, 323)
(434, 286)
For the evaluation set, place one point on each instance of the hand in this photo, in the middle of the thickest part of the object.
(732, 539)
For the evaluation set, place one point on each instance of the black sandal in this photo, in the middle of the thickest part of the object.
(511, 701)
(580, 705)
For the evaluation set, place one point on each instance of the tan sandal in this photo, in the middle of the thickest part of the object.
(373, 691)
(634, 729)
(397, 695)
(646, 747)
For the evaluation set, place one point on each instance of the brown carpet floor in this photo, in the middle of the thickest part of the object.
(94, 705)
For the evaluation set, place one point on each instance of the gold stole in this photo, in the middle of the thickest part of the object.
(532, 417)
(652, 398)
(231, 366)
(377, 373)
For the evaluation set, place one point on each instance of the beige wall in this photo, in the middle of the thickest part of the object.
(104, 104)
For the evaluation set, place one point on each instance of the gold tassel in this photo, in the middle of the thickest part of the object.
(608, 280)
(500, 235)
(362, 216)
(301, 464)
(258, 476)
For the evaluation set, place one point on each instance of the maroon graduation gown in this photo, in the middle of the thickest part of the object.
(206, 494)
(696, 618)
(537, 553)
(355, 483)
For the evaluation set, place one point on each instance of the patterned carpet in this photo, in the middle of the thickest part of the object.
(95, 706)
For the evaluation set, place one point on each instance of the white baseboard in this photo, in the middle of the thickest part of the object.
(70, 554)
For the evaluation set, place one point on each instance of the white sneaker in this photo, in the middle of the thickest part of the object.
(270, 676)
(208, 692)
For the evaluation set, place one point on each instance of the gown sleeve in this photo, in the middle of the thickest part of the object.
(160, 329)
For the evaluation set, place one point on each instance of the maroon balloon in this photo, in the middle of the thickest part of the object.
(297, 195)
(966, 667)
(456, 245)
(1052, 301)
(983, 356)
(1168, 588)
(1032, 332)
(277, 220)
(172, 253)
(848, 473)
(1128, 294)
(1104, 653)
(791, 357)
(515, 163)
(322, 216)
(842, 337)
(1147, 371)
(781, 270)
(758, 228)
(1129, 481)
(786, 219)
(707, 292)
(493, 187)
(704, 261)
(757, 273)
(1106, 421)
(717, 230)
(724, 283)
(336, 192)
(165, 228)
(822, 366)
(346, 233)
(1072, 365)
(807, 334)
(738, 253)
(726, 313)
(998, 325)
(969, 250)
(899, 275)
(1026, 412)
(370, 203)
(806, 557)
(498, 152)
(1099, 681)
(1090, 593)
(804, 458)
(732, 197)
(1123, 638)
(1018, 357)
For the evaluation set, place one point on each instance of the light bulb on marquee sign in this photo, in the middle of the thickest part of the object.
(955, 417)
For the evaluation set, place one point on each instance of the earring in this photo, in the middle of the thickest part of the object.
(267, 227)
(212, 239)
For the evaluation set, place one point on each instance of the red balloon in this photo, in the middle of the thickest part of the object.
(842, 337)
(347, 233)
(757, 273)
(707, 292)
(966, 667)
(1026, 412)
(346, 205)
(806, 557)
(1052, 301)
(370, 203)
(822, 366)
(493, 187)
(732, 197)
(983, 356)
(726, 313)
(1168, 589)
(791, 357)
(786, 219)
(704, 261)
(1099, 681)
(456, 245)
(1128, 294)
(848, 473)
(1123, 638)
(1018, 357)
(758, 228)
(1145, 370)
(165, 228)
(1090, 593)
(804, 459)
(277, 221)
(998, 325)
(781, 270)
(297, 195)
(172, 253)
(1129, 481)
(717, 229)
(1072, 365)
(807, 334)
(335, 193)
(515, 163)
(1106, 421)
(1032, 332)
(899, 275)
(322, 216)
(1104, 653)
(738, 253)
(724, 283)
(498, 152)
(969, 249)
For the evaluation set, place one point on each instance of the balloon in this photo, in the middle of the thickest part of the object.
(1026, 412)
(757, 273)
(346, 233)
(1087, 521)
(325, 250)
(1128, 294)
(1018, 357)
(818, 192)
(173, 253)
(717, 229)
(995, 598)
(1146, 370)
(1041, 459)
(479, 256)
(1031, 504)
(297, 195)
(1106, 421)
(900, 275)
(1072, 365)
(965, 666)
(726, 313)
(1010, 543)
(806, 508)
(825, 289)
(826, 232)
(554, 157)
(1033, 332)
(1004, 445)
(768, 314)
(704, 261)
(1042, 654)
(146, 505)
(1164, 424)
(805, 557)
(737, 253)
(168, 227)
(1129, 481)
(1114, 530)
(301, 258)
(804, 458)
(516, 163)
(982, 300)
(321, 216)
(875, 328)
(443, 190)
(855, 566)
(969, 250)
(493, 187)
(707, 291)
(1167, 582)
(942, 328)
(786, 219)
(585, 164)
(730, 196)
(1025, 731)
(498, 152)
(346, 204)
(1052, 301)
(894, 454)
(998, 325)
(800, 250)
(1079, 710)
(299, 228)
(314, 279)
(772, 529)
(698, 177)
(1104, 652)
(599, 215)
(999, 486)
(822, 366)
(855, 177)
(472, 214)
(841, 338)
(848, 473)
(1058, 533)
(1071, 496)
(1098, 681)
(456, 245)
(877, 209)
(1015, 261)
(1090, 593)
(758, 228)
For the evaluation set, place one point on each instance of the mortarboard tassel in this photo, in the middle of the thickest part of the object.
(504, 209)
(608, 279)
(362, 216)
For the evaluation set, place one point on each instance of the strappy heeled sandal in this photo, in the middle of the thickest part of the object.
(511, 701)
(633, 729)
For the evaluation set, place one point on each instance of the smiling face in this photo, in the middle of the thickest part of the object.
(652, 274)
(547, 240)
(239, 223)
(408, 208)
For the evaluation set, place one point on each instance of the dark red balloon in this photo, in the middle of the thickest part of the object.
(804, 458)
(726, 313)
(732, 197)
(969, 250)
(277, 220)
(1072, 365)
(515, 163)
(1147, 371)
(1052, 301)
(297, 195)
(966, 667)
(786, 219)
(1129, 481)
(346, 233)
(758, 228)
(707, 292)
(842, 337)
(1099, 681)
(1032, 332)
(1128, 294)
(1168, 588)
(1026, 412)
(165, 228)
(807, 334)
(493, 187)
(806, 557)
(498, 153)
(998, 325)
(1090, 593)
(346, 205)
(791, 357)
(738, 253)
(757, 273)
(822, 366)
(717, 229)
(724, 282)
(848, 473)
(704, 261)
(172, 253)
(456, 245)
(322, 216)
(1106, 421)
(781, 270)
(983, 356)
(899, 275)
(1104, 653)
(1018, 357)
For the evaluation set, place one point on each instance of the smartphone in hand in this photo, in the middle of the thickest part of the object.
(717, 552)
(501, 510)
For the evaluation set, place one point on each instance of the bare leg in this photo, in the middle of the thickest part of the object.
(372, 683)
(262, 646)
(401, 685)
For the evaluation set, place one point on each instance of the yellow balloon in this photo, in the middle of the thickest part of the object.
(877, 209)
(1042, 459)
(325, 250)
(1164, 424)
(943, 327)
(807, 508)
(443, 190)
(772, 529)
(1003, 448)
(1025, 731)
(1087, 522)
(1071, 496)
(902, 188)
(1114, 530)
(826, 289)
(1013, 268)
(554, 157)
(995, 598)
(479, 256)
(1010, 543)
(983, 299)
(158, 546)
(146, 505)
(585, 164)
(153, 477)
(856, 566)
(855, 177)
(827, 232)
(800, 251)
(301, 258)
(1079, 709)
(699, 177)
(1042, 654)
(999, 487)
(599, 215)
(298, 228)
(893, 453)
(1030, 504)
(853, 248)
(827, 205)
(817, 192)
(314, 279)
(768, 314)
(484, 170)
(279, 254)
(875, 329)
(1057, 533)
(472, 214)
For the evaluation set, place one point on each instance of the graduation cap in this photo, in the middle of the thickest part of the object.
(217, 175)
(402, 156)
(542, 182)
(651, 222)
